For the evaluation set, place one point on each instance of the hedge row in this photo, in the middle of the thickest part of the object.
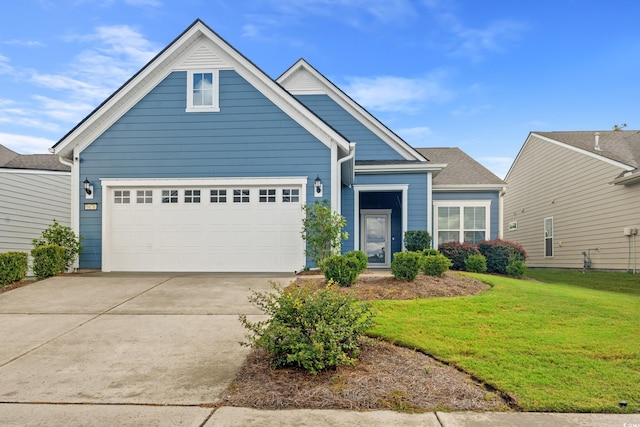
(13, 267)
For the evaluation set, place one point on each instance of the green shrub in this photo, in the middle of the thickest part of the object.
(417, 240)
(499, 252)
(458, 252)
(427, 252)
(343, 270)
(48, 260)
(313, 330)
(406, 265)
(476, 263)
(361, 257)
(435, 265)
(516, 267)
(64, 236)
(322, 230)
(13, 267)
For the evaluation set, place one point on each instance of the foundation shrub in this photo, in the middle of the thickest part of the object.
(406, 265)
(313, 330)
(435, 265)
(61, 235)
(516, 267)
(48, 260)
(361, 257)
(341, 269)
(13, 267)
(458, 252)
(417, 240)
(499, 252)
(476, 263)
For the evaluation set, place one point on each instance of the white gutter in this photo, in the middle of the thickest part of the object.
(350, 156)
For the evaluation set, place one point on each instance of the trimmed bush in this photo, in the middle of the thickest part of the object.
(64, 236)
(313, 330)
(516, 267)
(417, 240)
(435, 265)
(13, 267)
(499, 252)
(458, 252)
(476, 263)
(427, 252)
(406, 265)
(361, 257)
(343, 270)
(48, 260)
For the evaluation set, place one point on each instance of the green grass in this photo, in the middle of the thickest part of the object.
(625, 283)
(553, 347)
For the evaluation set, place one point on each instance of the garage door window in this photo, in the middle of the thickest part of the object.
(192, 196)
(241, 196)
(169, 196)
(290, 195)
(218, 196)
(268, 195)
(121, 196)
(144, 196)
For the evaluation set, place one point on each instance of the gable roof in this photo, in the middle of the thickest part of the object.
(197, 47)
(620, 148)
(9, 159)
(303, 79)
(462, 171)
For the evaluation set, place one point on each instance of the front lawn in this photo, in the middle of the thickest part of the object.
(552, 347)
(626, 283)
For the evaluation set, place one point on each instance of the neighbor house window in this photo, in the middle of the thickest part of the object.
(461, 221)
(144, 196)
(241, 196)
(218, 196)
(121, 196)
(267, 195)
(169, 196)
(192, 196)
(548, 237)
(290, 195)
(202, 91)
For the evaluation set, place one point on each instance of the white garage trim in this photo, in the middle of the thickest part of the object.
(199, 212)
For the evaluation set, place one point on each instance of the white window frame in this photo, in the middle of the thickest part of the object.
(290, 195)
(192, 196)
(461, 204)
(121, 197)
(267, 195)
(144, 197)
(215, 78)
(550, 238)
(218, 195)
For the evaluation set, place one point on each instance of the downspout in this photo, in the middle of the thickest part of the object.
(501, 212)
(352, 153)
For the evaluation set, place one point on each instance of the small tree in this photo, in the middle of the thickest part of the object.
(64, 236)
(322, 229)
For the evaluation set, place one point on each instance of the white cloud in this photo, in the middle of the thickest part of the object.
(4, 66)
(397, 94)
(474, 43)
(466, 111)
(25, 144)
(71, 112)
(24, 43)
(416, 136)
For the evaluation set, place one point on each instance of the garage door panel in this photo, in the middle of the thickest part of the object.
(205, 236)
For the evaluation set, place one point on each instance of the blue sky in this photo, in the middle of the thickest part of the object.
(479, 75)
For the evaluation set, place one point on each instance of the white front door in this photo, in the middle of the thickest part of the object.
(376, 236)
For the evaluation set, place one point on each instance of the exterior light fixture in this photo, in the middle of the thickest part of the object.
(318, 187)
(88, 188)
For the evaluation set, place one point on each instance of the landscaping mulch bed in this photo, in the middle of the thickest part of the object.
(384, 377)
(14, 285)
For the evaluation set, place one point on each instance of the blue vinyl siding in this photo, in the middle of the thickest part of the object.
(480, 195)
(249, 137)
(368, 145)
(417, 201)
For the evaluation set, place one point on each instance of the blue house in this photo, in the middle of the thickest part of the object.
(202, 162)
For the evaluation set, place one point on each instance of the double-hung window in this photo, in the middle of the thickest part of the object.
(548, 237)
(202, 91)
(461, 221)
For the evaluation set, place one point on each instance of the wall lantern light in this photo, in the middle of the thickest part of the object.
(88, 189)
(318, 187)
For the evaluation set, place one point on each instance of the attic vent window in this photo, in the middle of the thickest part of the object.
(202, 91)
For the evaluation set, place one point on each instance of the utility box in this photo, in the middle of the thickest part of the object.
(629, 231)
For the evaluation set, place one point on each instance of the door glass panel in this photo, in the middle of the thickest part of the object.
(375, 239)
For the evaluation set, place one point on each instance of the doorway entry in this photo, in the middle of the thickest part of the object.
(376, 236)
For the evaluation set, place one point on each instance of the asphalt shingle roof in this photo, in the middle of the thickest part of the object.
(461, 168)
(11, 160)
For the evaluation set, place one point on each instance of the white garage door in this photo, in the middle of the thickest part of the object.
(234, 226)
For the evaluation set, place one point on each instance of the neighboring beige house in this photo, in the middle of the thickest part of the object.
(35, 189)
(573, 194)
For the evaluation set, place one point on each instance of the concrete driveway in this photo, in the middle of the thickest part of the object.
(122, 349)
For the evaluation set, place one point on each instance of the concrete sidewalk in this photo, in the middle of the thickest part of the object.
(157, 350)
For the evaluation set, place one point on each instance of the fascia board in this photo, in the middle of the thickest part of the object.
(419, 167)
(585, 152)
(362, 115)
(469, 187)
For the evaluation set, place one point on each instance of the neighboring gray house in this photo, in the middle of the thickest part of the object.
(576, 193)
(202, 162)
(35, 189)
(467, 198)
